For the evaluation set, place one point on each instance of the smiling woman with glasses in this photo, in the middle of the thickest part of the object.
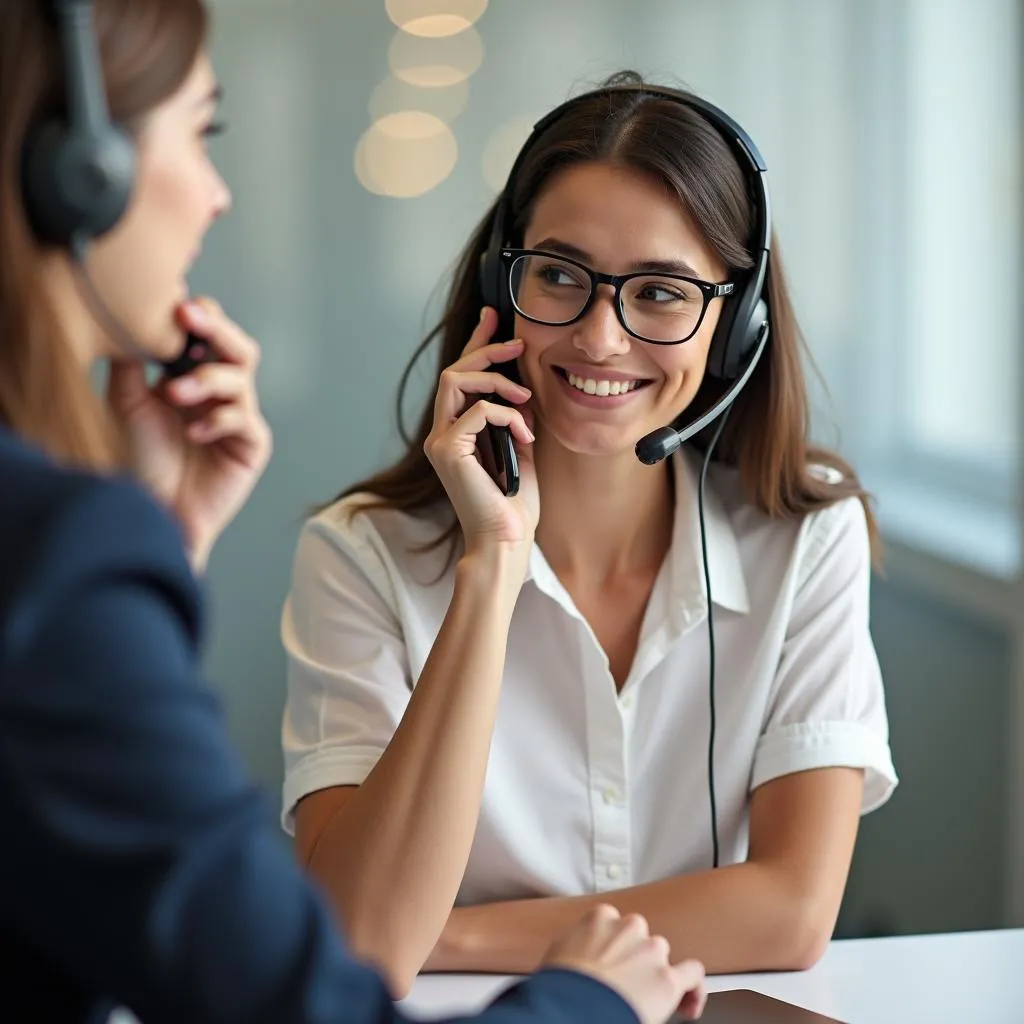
(515, 686)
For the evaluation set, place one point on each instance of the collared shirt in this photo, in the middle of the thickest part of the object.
(588, 788)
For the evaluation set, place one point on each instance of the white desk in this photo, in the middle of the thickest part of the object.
(964, 978)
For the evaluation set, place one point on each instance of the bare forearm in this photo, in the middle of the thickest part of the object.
(394, 855)
(745, 917)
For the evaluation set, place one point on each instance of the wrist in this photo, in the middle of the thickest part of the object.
(456, 945)
(198, 551)
(198, 560)
(493, 570)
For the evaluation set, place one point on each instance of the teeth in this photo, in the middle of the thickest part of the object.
(602, 388)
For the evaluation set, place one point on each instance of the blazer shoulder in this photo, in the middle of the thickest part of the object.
(64, 530)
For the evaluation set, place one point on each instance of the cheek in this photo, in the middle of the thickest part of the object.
(682, 366)
(176, 201)
(687, 363)
(537, 339)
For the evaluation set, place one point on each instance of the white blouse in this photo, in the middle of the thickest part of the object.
(589, 789)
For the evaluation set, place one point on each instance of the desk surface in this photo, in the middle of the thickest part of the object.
(960, 978)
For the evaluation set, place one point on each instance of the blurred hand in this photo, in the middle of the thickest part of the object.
(622, 953)
(460, 416)
(199, 442)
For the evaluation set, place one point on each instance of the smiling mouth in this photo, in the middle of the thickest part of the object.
(601, 388)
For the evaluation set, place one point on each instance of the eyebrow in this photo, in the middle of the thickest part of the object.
(556, 245)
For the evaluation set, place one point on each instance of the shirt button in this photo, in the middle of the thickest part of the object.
(612, 795)
(627, 702)
(614, 871)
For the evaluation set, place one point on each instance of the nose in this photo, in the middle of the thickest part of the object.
(599, 335)
(221, 200)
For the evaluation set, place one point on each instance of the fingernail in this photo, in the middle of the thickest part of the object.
(198, 314)
(483, 313)
(184, 387)
(514, 341)
(531, 434)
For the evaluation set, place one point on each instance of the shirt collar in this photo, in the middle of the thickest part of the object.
(685, 559)
(728, 583)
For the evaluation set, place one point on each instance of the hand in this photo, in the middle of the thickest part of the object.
(486, 515)
(199, 443)
(622, 953)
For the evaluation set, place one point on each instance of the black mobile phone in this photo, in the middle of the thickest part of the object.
(196, 351)
(499, 454)
(501, 460)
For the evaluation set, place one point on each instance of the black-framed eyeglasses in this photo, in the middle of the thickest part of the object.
(663, 309)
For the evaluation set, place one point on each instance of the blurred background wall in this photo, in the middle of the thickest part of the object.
(361, 154)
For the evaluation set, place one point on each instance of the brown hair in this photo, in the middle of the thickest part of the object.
(766, 436)
(148, 48)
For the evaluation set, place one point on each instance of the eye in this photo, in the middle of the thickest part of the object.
(661, 292)
(554, 274)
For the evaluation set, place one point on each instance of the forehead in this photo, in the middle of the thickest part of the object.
(619, 215)
(197, 92)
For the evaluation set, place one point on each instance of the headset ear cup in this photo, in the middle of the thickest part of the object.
(494, 289)
(757, 320)
(738, 326)
(486, 272)
(76, 185)
(718, 351)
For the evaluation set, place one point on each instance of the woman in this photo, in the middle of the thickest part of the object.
(536, 659)
(137, 865)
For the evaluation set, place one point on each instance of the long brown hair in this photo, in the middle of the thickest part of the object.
(147, 48)
(766, 436)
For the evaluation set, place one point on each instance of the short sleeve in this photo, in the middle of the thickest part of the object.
(348, 672)
(828, 705)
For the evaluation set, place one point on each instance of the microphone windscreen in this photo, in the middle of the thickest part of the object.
(657, 445)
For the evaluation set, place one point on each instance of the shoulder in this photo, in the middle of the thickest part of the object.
(62, 530)
(839, 528)
(391, 540)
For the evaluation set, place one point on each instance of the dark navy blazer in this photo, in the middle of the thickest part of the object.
(138, 865)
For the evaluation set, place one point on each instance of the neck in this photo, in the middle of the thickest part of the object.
(602, 516)
(86, 341)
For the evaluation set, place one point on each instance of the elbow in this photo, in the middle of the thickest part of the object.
(806, 933)
(382, 948)
(376, 934)
(807, 951)
(399, 981)
(395, 966)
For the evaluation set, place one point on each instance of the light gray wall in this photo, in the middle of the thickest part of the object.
(335, 282)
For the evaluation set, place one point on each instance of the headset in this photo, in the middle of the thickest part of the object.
(738, 342)
(79, 171)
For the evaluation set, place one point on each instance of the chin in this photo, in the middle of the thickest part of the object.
(164, 342)
(599, 442)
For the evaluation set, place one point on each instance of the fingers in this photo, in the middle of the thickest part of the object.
(205, 317)
(455, 388)
(220, 382)
(483, 331)
(489, 355)
(232, 422)
(222, 405)
(603, 913)
(459, 439)
(471, 373)
(633, 927)
(689, 975)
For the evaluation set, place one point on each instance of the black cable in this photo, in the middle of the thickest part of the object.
(711, 634)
